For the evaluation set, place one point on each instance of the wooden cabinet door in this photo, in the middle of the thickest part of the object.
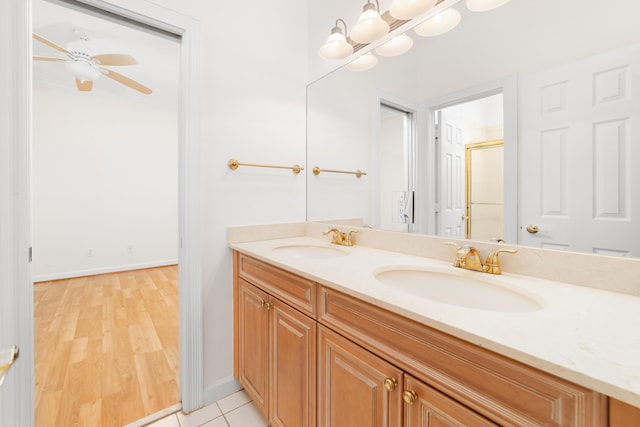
(426, 407)
(252, 343)
(351, 385)
(293, 367)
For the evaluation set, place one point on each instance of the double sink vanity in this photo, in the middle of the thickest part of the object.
(387, 332)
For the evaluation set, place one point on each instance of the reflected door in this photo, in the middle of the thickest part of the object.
(451, 213)
(580, 155)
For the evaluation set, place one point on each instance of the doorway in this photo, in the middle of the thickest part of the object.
(105, 199)
(394, 210)
(462, 157)
(16, 325)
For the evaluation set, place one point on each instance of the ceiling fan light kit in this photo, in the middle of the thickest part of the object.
(86, 68)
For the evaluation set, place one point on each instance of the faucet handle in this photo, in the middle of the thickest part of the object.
(457, 262)
(492, 265)
(338, 237)
(350, 239)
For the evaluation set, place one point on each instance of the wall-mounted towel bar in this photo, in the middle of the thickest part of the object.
(233, 165)
(358, 173)
(8, 357)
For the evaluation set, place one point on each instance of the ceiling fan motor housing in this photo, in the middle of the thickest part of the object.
(82, 67)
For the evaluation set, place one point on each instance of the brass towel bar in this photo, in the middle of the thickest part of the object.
(358, 173)
(7, 359)
(233, 165)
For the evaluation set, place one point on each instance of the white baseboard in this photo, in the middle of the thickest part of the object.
(220, 389)
(105, 270)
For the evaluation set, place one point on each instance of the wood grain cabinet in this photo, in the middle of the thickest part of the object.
(275, 356)
(427, 407)
(309, 355)
(355, 387)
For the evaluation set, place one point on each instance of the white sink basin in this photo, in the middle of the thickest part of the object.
(311, 251)
(461, 288)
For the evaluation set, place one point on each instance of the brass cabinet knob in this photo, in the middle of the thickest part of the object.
(410, 397)
(533, 229)
(390, 384)
(266, 304)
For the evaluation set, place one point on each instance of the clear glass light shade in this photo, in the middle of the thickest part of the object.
(438, 24)
(363, 63)
(83, 70)
(396, 46)
(370, 27)
(409, 9)
(336, 47)
(484, 5)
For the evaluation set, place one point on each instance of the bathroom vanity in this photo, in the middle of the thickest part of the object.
(319, 341)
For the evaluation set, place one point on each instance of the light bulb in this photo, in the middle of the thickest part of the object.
(336, 47)
(396, 46)
(370, 26)
(409, 9)
(484, 5)
(363, 63)
(439, 24)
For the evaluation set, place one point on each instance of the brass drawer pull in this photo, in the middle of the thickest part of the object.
(390, 384)
(410, 397)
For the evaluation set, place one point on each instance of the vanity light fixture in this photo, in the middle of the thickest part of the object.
(396, 46)
(409, 9)
(439, 24)
(336, 47)
(363, 63)
(370, 26)
(484, 5)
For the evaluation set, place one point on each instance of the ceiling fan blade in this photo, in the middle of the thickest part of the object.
(51, 44)
(114, 59)
(48, 58)
(126, 81)
(85, 86)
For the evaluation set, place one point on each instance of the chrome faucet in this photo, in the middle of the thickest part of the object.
(467, 257)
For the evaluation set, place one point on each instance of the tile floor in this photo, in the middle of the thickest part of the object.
(236, 410)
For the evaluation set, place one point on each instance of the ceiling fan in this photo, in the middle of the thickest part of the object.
(87, 68)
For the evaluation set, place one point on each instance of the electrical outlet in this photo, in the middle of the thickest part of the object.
(90, 252)
(129, 249)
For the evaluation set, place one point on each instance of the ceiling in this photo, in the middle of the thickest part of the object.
(158, 55)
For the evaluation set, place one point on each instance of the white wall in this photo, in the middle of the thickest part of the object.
(105, 181)
(253, 77)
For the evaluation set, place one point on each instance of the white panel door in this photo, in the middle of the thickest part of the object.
(451, 180)
(579, 155)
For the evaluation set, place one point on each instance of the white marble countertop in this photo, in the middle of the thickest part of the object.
(587, 336)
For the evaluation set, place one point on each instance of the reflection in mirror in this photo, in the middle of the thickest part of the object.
(484, 190)
(570, 126)
(460, 132)
(393, 209)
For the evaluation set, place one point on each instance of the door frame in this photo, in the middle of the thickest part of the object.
(508, 86)
(16, 279)
(408, 107)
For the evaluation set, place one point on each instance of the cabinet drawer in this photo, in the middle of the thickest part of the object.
(501, 389)
(294, 290)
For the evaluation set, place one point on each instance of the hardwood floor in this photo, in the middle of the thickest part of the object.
(106, 348)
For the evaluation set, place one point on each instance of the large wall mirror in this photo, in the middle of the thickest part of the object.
(522, 125)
